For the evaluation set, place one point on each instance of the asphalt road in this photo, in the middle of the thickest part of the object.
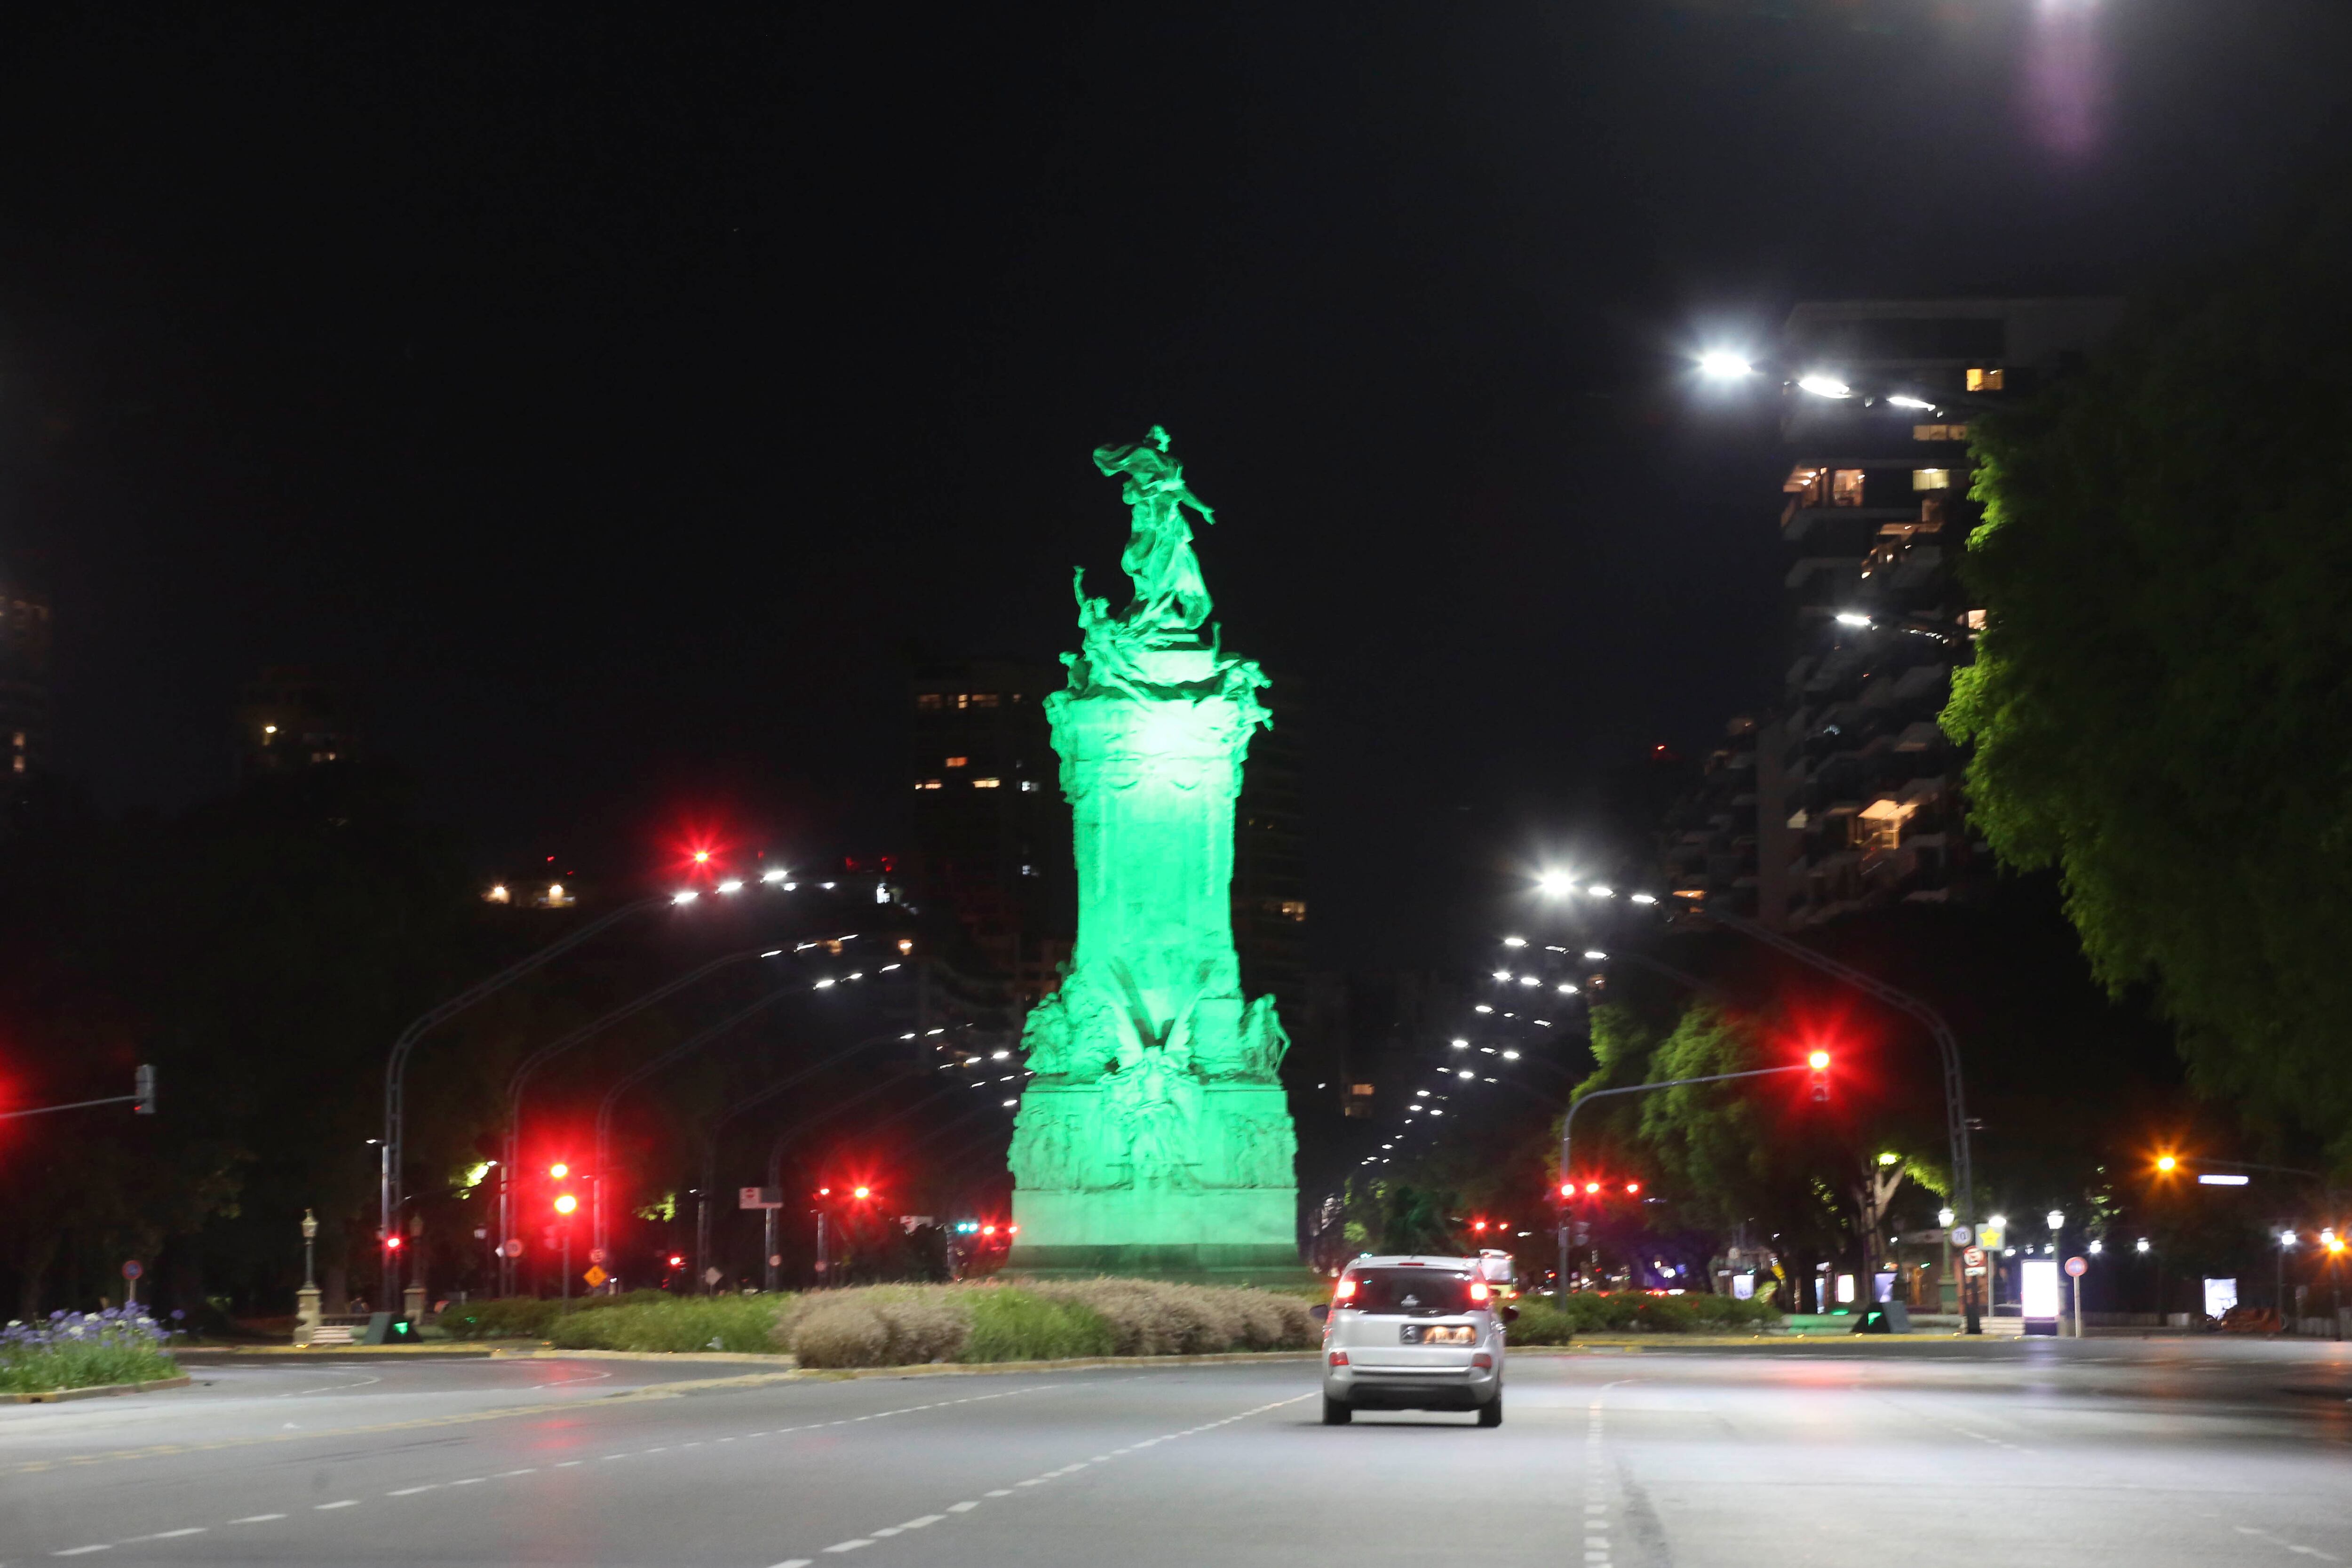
(1985, 1455)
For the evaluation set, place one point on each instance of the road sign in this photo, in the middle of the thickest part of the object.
(130, 1270)
(1973, 1257)
(758, 1198)
(775, 1260)
(595, 1277)
(596, 1255)
(2077, 1266)
(711, 1275)
(1962, 1235)
(513, 1247)
(1992, 1237)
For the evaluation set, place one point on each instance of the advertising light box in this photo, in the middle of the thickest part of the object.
(2039, 1288)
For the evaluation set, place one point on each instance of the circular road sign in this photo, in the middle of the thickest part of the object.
(1962, 1235)
(2077, 1266)
(512, 1246)
(596, 1255)
(130, 1270)
(1973, 1257)
(775, 1260)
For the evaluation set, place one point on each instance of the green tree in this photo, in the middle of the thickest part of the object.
(2161, 706)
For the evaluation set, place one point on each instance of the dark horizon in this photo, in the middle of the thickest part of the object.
(619, 405)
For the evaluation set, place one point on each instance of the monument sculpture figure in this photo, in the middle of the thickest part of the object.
(1154, 1136)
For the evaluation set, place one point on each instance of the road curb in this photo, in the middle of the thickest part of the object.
(465, 1352)
(97, 1391)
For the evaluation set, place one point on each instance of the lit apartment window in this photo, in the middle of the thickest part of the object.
(1845, 487)
(1931, 478)
(927, 783)
(1984, 380)
(1290, 909)
(1975, 620)
(986, 784)
(983, 700)
(17, 763)
(1879, 825)
(1361, 1089)
(1027, 785)
(959, 762)
(16, 740)
(1939, 432)
(497, 895)
(927, 703)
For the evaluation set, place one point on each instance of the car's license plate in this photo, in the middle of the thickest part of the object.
(1439, 1334)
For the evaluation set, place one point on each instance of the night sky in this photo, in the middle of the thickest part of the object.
(622, 402)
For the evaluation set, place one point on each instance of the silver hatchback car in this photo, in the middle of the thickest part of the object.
(1413, 1333)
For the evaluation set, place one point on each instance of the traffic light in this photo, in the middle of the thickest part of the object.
(559, 1169)
(1633, 1189)
(142, 1084)
(566, 1202)
(1819, 1061)
(861, 1194)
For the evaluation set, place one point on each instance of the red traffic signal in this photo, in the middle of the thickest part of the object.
(1819, 1061)
(566, 1202)
(559, 1169)
(676, 1262)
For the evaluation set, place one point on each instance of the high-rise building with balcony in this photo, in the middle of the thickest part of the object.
(1844, 794)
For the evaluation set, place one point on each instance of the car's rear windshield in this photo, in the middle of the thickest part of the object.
(1416, 1292)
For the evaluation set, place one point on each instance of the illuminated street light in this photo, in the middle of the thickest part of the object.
(730, 885)
(1645, 897)
(1554, 883)
(1514, 942)
(2140, 1246)
(1823, 386)
(1594, 956)
(1722, 364)
(1461, 1044)
(1905, 400)
(1853, 618)
(2168, 1164)
(1598, 891)
(1944, 1217)
(686, 896)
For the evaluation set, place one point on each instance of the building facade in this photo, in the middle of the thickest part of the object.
(23, 679)
(1843, 793)
(291, 718)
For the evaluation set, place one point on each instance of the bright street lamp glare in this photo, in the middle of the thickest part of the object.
(1722, 364)
(1552, 884)
(1823, 386)
(2168, 1163)
(1905, 400)
(1853, 618)
(1819, 1061)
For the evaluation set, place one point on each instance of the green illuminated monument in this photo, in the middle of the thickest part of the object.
(1154, 1137)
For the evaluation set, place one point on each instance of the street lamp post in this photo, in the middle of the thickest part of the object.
(1817, 1062)
(307, 1315)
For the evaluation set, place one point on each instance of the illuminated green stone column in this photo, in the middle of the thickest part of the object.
(1154, 1138)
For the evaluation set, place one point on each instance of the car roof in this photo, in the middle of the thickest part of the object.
(1414, 1260)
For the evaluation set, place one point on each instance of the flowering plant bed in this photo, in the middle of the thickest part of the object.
(84, 1350)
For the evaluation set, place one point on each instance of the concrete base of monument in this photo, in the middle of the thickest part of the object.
(1222, 1237)
(1266, 1267)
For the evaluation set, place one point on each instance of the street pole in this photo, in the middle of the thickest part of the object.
(567, 1260)
(1947, 1047)
(1568, 1126)
(396, 1073)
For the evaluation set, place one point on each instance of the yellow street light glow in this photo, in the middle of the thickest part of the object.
(2167, 1162)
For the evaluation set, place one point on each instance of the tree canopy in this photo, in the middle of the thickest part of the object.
(2161, 705)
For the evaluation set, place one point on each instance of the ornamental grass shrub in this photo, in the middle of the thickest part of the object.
(904, 1325)
(84, 1350)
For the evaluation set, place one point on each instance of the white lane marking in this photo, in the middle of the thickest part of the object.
(1000, 1492)
(926, 1520)
(256, 1519)
(172, 1535)
(526, 1470)
(2284, 1545)
(848, 1545)
(81, 1551)
(412, 1492)
(569, 1463)
(584, 1377)
(469, 1481)
(791, 1562)
(347, 1503)
(325, 1388)
(886, 1531)
(965, 1507)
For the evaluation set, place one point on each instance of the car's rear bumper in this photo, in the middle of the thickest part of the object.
(1411, 1387)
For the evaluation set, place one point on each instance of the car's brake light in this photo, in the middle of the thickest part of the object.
(1347, 1289)
(1478, 1290)
(1481, 1360)
(1339, 1358)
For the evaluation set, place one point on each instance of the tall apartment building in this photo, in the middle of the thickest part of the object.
(23, 679)
(991, 832)
(292, 718)
(1843, 793)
